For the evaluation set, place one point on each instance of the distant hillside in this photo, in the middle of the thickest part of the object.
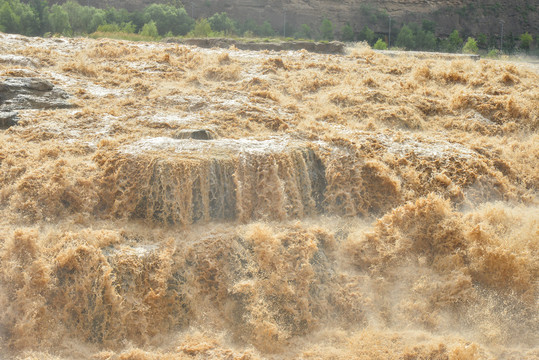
(469, 17)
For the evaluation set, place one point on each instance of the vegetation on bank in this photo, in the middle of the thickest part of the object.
(38, 18)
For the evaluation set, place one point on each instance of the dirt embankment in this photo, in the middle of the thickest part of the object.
(333, 47)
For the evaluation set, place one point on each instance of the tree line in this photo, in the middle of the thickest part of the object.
(38, 18)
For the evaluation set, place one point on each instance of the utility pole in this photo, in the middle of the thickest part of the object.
(284, 22)
(501, 37)
(389, 38)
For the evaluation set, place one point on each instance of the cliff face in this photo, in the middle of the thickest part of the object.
(469, 17)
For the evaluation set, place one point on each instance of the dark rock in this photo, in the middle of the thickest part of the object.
(7, 119)
(18, 84)
(196, 134)
(28, 93)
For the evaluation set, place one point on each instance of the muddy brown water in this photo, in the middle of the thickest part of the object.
(232, 204)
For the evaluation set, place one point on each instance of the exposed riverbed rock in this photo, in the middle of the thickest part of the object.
(8, 118)
(196, 134)
(28, 93)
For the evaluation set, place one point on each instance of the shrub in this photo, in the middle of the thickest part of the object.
(127, 28)
(470, 47)
(150, 30)
(108, 28)
(493, 54)
(202, 28)
(525, 41)
(380, 45)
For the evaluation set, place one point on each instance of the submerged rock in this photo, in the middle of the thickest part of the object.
(196, 134)
(183, 181)
(8, 118)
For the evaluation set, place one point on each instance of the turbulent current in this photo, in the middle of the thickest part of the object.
(187, 203)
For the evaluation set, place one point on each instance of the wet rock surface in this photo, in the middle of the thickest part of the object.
(28, 93)
(8, 118)
(195, 134)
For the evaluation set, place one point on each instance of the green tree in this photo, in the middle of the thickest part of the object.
(59, 20)
(326, 29)
(99, 18)
(455, 42)
(380, 45)
(423, 39)
(120, 16)
(482, 41)
(347, 33)
(471, 46)
(265, 29)
(428, 26)
(304, 32)
(40, 8)
(366, 34)
(406, 38)
(169, 18)
(150, 30)
(79, 16)
(8, 19)
(248, 26)
(25, 17)
(202, 28)
(509, 43)
(525, 41)
(221, 22)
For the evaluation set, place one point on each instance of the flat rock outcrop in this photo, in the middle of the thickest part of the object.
(28, 93)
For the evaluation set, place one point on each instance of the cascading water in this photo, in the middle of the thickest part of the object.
(243, 205)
